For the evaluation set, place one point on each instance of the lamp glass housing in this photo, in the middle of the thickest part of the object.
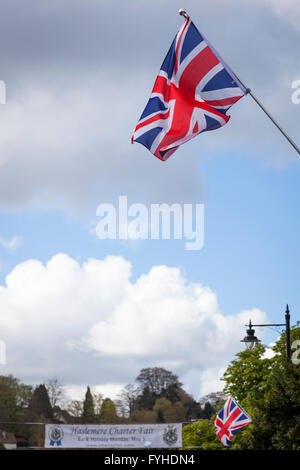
(250, 340)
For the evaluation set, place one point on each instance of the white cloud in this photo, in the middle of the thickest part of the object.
(91, 324)
(77, 392)
(12, 244)
(269, 353)
(166, 316)
(205, 381)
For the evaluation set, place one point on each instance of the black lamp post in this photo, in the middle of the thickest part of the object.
(250, 340)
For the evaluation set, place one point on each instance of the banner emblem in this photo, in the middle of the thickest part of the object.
(56, 435)
(170, 435)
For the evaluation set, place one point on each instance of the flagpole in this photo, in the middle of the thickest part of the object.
(248, 91)
(275, 123)
(183, 12)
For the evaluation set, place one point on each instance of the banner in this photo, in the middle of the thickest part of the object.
(108, 436)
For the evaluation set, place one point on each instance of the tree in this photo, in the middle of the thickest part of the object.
(192, 408)
(55, 391)
(168, 412)
(40, 405)
(88, 413)
(201, 435)
(108, 414)
(75, 408)
(39, 411)
(246, 377)
(280, 346)
(268, 389)
(147, 399)
(157, 383)
(160, 416)
(276, 418)
(207, 411)
(171, 392)
(156, 379)
(14, 400)
(144, 416)
(97, 400)
(127, 400)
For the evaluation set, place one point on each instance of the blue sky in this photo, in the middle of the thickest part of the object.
(65, 148)
(250, 254)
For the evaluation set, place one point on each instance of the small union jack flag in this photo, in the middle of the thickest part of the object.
(192, 93)
(230, 419)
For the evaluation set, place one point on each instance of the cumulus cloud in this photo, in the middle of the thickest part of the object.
(93, 324)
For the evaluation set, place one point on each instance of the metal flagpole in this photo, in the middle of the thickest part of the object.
(274, 122)
(183, 12)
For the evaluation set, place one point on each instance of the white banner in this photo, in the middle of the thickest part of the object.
(123, 436)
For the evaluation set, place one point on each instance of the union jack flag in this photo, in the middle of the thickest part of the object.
(230, 419)
(192, 93)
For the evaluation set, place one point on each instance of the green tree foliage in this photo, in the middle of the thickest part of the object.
(246, 376)
(88, 413)
(171, 392)
(269, 390)
(108, 413)
(168, 412)
(280, 346)
(201, 435)
(157, 386)
(192, 408)
(276, 417)
(14, 399)
(144, 416)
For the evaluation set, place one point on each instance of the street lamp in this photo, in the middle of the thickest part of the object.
(250, 340)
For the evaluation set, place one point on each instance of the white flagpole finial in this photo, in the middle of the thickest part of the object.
(183, 12)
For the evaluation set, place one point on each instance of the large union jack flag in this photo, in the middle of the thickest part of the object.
(230, 419)
(192, 93)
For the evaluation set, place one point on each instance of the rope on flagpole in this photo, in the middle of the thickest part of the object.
(248, 91)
